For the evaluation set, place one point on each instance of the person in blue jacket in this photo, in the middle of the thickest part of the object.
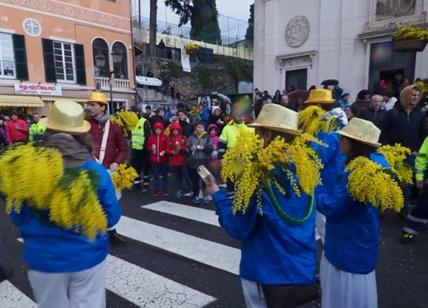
(66, 268)
(351, 245)
(323, 122)
(276, 251)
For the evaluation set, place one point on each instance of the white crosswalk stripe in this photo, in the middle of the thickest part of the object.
(185, 211)
(12, 297)
(214, 254)
(143, 287)
(147, 289)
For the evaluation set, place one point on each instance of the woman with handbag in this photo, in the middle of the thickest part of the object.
(272, 212)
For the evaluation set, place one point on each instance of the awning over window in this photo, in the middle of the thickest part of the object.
(20, 101)
(148, 81)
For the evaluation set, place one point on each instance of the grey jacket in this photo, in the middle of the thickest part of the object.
(197, 157)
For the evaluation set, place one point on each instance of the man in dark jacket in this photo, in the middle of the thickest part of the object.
(361, 103)
(405, 123)
(186, 127)
(374, 113)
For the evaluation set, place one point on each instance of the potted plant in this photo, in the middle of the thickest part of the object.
(191, 48)
(410, 39)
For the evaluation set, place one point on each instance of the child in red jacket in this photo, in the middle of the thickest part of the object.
(157, 147)
(177, 155)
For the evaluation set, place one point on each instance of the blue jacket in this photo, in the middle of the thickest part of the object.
(352, 228)
(332, 159)
(48, 248)
(273, 252)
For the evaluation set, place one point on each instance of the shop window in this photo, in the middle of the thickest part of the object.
(387, 9)
(120, 61)
(101, 58)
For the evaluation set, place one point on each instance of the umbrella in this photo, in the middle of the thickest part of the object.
(330, 82)
(297, 98)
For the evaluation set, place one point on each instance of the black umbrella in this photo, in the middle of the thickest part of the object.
(330, 82)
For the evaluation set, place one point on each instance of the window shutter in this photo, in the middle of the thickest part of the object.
(80, 64)
(49, 59)
(20, 57)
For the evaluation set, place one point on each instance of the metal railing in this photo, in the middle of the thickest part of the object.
(7, 69)
(121, 84)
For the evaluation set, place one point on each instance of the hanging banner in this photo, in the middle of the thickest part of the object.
(185, 59)
(38, 89)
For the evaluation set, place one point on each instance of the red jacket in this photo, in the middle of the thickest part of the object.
(176, 146)
(14, 134)
(157, 146)
(117, 146)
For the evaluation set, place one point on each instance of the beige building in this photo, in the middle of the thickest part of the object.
(51, 49)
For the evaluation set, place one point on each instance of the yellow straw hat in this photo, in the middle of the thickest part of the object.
(278, 118)
(97, 97)
(66, 116)
(320, 96)
(362, 131)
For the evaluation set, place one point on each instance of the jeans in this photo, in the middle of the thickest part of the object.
(160, 170)
(178, 172)
(194, 176)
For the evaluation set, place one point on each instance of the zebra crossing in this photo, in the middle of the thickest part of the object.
(176, 256)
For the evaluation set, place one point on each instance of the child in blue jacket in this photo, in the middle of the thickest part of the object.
(67, 268)
(351, 247)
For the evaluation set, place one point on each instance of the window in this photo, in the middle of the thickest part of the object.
(101, 58)
(64, 62)
(7, 57)
(387, 9)
(120, 61)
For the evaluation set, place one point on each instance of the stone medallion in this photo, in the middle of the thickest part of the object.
(297, 31)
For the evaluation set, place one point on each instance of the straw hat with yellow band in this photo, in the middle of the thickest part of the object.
(98, 97)
(278, 118)
(66, 116)
(320, 96)
(362, 131)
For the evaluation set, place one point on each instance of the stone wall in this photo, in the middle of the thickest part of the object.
(204, 78)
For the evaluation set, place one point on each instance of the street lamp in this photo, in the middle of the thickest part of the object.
(117, 59)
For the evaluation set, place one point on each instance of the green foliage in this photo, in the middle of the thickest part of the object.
(239, 69)
(410, 33)
(203, 75)
(203, 16)
(249, 36)
(172, 70)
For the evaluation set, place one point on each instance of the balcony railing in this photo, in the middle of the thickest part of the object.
(7, 69)
(118, 84)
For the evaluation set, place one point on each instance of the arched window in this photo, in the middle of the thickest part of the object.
(120, 61)
(101, 58)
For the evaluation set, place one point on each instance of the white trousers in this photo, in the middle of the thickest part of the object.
(347, 290)
(253, 294)
(84, 289)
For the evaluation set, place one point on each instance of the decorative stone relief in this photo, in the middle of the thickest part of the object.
(296, 62)
(32, 27)
(65, 9)
(297, 31)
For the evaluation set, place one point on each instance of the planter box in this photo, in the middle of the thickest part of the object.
(410, 45)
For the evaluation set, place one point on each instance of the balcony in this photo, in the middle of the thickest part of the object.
(7, 69)
(118, 84)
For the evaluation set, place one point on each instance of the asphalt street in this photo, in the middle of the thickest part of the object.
(155, 268)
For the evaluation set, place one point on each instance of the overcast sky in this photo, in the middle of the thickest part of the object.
(239, 9)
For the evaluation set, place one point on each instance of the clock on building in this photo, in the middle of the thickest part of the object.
(32, 27)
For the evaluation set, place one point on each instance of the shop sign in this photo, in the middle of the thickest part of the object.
(38, 89)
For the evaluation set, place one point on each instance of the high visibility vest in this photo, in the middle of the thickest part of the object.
(36, 131)
(137, 138)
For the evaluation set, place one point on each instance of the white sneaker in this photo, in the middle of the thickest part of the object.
(189, 194)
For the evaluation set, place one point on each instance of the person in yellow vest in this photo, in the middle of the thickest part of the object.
(37, 129)
(139, 155)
